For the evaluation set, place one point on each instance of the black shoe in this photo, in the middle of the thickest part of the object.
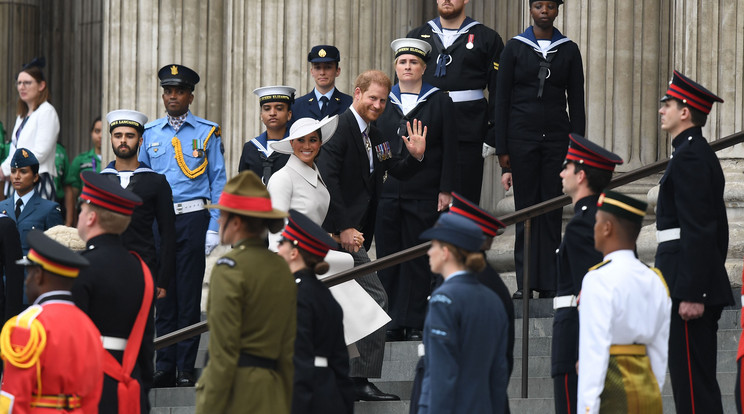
(367, 391)
(395, 335)
(546, 294)
(520, 295)
(185, 379)
(163, 379)
(413, 334)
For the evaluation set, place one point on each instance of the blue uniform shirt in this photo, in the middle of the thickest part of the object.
(205, 181)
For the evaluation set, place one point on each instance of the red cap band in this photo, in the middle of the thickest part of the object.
(245, 203)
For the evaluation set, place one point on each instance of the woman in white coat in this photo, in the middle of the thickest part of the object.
(36, 128)
(298, 185)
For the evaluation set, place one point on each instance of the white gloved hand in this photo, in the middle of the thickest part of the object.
(487, 150)
(212, 240)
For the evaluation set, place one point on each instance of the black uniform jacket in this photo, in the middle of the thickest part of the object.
(254, 158)
(307, 106)
(491, 279)
(11, 292)
(438, 169)
(157, 198)
(691, 198)
(110, 291)
(320, 333)
(575, 256)
(519, 113)
(470, 68)
(344, 165)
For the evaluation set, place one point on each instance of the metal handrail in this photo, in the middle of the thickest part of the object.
(508, 219)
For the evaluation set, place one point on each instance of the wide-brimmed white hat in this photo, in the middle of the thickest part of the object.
(304, 126)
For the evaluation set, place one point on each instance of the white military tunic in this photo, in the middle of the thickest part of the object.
(622, 302)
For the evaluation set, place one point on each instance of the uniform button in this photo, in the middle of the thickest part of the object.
(583, 208)
(705, 294)
(297, 280)
(557, 250)
(689, 138)
(543, 135)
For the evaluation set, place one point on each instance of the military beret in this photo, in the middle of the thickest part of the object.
(23, 158)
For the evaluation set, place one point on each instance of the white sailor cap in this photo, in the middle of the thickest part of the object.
(126, 117)
(278, 93)
(407, 45)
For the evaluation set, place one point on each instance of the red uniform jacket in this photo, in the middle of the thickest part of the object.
(71, 362)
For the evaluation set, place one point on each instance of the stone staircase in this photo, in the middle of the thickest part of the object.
(401, 358)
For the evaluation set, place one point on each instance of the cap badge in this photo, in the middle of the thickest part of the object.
(322, 53)
(25, 154)
(600, 201)
(174, 70)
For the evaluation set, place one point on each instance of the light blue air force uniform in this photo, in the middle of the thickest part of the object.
(158, 152)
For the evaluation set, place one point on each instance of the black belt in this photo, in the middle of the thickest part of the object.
(248, 360)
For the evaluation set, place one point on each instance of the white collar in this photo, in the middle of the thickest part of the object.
(311, 175)
(363, 125)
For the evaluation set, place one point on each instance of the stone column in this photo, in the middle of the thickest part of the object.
(141, 37)
(19, 32)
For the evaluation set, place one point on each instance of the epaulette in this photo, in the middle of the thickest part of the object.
(157, 122)
(225, 261)
(598, 265)
(25, 318)
(205, 121)
(440, 298)
(661, 276)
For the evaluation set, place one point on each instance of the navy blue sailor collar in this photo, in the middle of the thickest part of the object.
(528, 38)
(261, 142)
(426, 91)
(436, 25)
(142, 168)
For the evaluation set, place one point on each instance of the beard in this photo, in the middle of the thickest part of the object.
(447, 14)
(126, 154)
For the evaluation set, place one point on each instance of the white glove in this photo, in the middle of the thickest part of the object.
(487, 150)
(211, 241)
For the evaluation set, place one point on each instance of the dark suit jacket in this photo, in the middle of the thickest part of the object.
(465, 337)
(110, 292)
(574, 257)
(320, 333)
(39, 214)
(157, 207)
(11, 292)
(691, 198)
(306, 106)
(344, 167)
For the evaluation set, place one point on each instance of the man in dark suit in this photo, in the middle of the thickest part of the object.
(587, 170)
(324, 100)
(116, 291)
(692, 231)
(353, 164)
